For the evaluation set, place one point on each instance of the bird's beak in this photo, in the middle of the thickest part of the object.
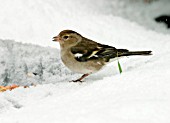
(56, 38)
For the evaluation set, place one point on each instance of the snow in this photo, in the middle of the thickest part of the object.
(140, 94)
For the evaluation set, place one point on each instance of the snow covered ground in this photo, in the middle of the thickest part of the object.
(140, 94)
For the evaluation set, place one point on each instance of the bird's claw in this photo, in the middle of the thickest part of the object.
(80, 79)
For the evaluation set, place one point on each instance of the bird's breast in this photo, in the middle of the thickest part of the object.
(69, 60)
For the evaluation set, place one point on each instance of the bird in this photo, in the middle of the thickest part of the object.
(85, 56)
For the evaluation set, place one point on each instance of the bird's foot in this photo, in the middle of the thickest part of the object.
(80, 79)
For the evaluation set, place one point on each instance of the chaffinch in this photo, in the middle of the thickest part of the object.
(85, 56)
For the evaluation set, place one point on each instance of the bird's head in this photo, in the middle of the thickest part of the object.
(67, 38)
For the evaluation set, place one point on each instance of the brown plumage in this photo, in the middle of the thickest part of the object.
(85, 56)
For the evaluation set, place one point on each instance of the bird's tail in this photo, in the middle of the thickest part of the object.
(130, 53)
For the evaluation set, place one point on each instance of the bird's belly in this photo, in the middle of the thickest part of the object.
(81, 67)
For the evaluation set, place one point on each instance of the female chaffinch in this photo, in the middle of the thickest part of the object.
(85, 56)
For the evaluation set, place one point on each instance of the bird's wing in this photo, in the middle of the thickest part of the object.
(108, 52)
(94, 51)
(84, 53)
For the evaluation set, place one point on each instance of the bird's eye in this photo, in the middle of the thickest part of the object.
(65, 37)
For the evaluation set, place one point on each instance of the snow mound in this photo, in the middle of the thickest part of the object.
(24, 64)
(140, 94)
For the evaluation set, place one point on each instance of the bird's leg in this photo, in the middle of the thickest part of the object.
(80, 79)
